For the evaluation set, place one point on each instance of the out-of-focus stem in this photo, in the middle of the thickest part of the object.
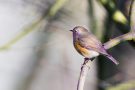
(28, 29)
(132, 16)
(113, 42)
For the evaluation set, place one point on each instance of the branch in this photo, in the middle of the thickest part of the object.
(119, 39)
(86, 65)
(84, 70)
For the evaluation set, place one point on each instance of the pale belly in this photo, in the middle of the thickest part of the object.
(92, 54)
(85, 52)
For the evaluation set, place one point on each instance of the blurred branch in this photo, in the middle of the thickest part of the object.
(130, 11)
(124, 86)
(25, 32)
(96, 19)
(132, 19)
(84, 70)
(92, 16)
(132, 16)
(113, 42)
(56, 7)
(51, 12)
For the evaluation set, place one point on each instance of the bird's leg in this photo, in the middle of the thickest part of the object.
(92, 58)
(86, 60)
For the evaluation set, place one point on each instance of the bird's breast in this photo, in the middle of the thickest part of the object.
(85, 52)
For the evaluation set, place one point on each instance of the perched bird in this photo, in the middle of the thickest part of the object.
(88, 45)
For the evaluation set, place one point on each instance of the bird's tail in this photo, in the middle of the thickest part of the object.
(112, 59)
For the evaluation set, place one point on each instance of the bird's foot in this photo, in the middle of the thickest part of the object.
(86, 60)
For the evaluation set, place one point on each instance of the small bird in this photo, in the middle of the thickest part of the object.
(88, 45)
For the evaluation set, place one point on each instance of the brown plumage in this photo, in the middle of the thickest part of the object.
(88, 45)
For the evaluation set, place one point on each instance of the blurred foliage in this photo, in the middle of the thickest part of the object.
(116, 20)
(119, 17)
(124, 86)
(132, 17)
(57, 6)
(35, 24)
(26, 31)
(116, 15)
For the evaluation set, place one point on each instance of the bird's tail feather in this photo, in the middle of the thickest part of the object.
(112, 59)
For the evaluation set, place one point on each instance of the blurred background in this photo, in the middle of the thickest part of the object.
(36, 50)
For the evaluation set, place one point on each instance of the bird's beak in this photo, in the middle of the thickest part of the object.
(71, 30)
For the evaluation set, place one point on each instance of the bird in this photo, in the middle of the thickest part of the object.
(88, 45)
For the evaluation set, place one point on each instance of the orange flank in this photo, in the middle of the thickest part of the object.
(83, 51)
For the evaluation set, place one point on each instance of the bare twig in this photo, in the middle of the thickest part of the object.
(84, 70)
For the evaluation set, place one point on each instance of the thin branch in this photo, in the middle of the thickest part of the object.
(113, 42)
(84, 70)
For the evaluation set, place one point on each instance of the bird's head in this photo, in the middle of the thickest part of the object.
(79, 30)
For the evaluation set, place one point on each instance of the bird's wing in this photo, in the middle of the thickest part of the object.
(92, 43)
